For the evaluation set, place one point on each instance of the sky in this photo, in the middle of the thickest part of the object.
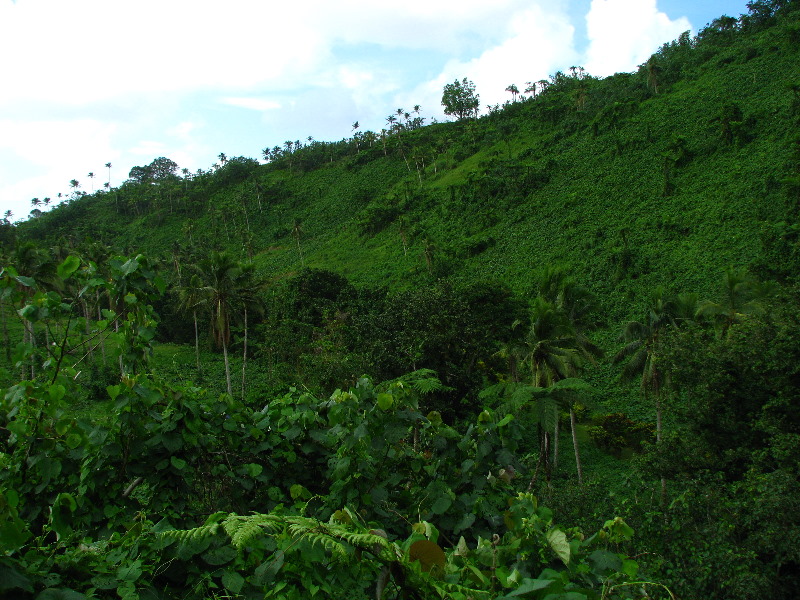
(84, 83)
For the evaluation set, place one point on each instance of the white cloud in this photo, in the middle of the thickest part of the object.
(624, 33)
(259, 104)
(40, 141)
(89, 50)
(539, 41)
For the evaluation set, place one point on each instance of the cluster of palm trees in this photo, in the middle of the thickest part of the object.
(224, 291)
(556, 348)
(74, 184)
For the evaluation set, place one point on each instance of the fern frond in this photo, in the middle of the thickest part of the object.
(363, 540)
(244, 529)
(317, 533)
(191, 535)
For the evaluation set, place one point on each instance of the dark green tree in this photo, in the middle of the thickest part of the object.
(460, 100)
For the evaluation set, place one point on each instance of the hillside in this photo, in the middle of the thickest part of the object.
(629, 187)
(589, 293)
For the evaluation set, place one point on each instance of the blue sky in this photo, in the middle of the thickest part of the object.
(87, 82)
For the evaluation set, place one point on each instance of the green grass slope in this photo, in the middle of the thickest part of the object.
(629, 187)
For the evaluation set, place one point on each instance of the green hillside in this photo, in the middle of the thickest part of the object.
(627, 186)
(589, 293)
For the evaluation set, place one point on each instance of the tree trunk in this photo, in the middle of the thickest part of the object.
(227, 368)
(658, 445)
(555, 441)
(100, 318)
(574, 428)
(196, 342)
(6, 343)
(244, 354)
(87, 327)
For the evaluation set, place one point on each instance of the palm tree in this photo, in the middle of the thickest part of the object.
(35, 202)
(222, 158)
(91, 176)
(228, 290)
(108, 166)
(742, 296)
(7, 216)
(193, 296)
(514, 91)
(74, 184)
(548, 350)
(642, 350)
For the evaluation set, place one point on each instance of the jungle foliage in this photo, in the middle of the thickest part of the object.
(578, 317)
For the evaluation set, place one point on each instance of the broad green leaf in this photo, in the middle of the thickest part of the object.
(56, 392)
(559, 544)
(11, 497)
(220, 556)
(505, 420)
(232, 581)
(254, 469)
(130, 572)
(68, 267)
(13, 534)
(384, 401)
(297, 491)
(178, 463)
(441, 505)
(604, 562)
(11, 579)
(531, 585)
(630, 568)
(465, 523)
(26, 281)
(60, 594)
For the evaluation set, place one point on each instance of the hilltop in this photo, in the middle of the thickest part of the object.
(665, 176)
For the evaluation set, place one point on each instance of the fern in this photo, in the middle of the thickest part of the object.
(244, 529)
(191, 535)
(317, 533)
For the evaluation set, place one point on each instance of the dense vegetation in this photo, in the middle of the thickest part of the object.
(551, 352)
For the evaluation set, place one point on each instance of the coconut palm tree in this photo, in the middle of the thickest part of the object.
(644, 343)
(514, 91)
(228, 291)
(742, 296)
(194, 297)
(549, 352)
